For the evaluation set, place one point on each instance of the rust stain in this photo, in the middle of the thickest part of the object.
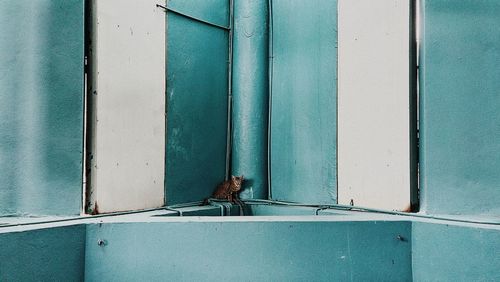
(407, 209)
(95, 211)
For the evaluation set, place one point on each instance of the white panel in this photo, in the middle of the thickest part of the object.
(373, 103)
(128, 111)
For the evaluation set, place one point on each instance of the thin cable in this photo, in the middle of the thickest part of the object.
(363, 209)
(192, 18)
(261, 202)
(229, 90)
(185, 205)
(76, 218)
(270, 98)
(179, 213)
(170, 208)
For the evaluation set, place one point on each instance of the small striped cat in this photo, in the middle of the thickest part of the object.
(228, 190)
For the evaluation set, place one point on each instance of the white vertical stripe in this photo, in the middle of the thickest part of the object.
(373, 103)
(129, 105)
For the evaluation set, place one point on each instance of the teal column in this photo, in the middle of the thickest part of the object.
(250, 96)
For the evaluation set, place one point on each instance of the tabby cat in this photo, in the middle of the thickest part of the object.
(228, 190)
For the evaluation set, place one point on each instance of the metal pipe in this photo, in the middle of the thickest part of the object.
(230, 93)
(250, 97)
(179, 213)
(270, 103)
(223, 205)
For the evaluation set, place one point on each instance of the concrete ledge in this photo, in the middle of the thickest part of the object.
(339, 245)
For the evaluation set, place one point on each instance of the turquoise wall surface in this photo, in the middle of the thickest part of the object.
(304, 101)
(443, 252)
(265, 210)
(41, 106)
(459, 107)
(255, 251)
(41, 101)
(53, 254)
(213, 11)
(197, 100)
(265, 249)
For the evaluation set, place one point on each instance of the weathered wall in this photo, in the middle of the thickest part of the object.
(443, 252)
(258, 251)
(41, 106)
(303, 104)
(459, 116)
(297, 249)
(53, 254)
(197, 99)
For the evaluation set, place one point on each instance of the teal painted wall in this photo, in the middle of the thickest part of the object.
(259, 251)
(41, 106)
(214, 11)
(304, 98)
(250, 96)
(53, 254)
(443, 252)
(256, 251)
(459, 107)
(197, 99)
(267, 210)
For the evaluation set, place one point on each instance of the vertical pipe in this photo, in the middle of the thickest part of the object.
(250, 96)
(270, 98)
(229, 90)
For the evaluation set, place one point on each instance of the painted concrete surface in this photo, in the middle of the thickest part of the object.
(459, 116)
(209, 210)
(255, 251)
(53, 254)
(41, 106)
(250, 97)
(303, 104)
(197, 100)
(213, 11)
(270, 210)
(127, 119)
(444, 252)
(153, 246)
(374, 103)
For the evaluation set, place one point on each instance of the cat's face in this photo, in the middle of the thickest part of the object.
(236, 182)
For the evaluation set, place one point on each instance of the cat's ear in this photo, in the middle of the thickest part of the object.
(233, 177)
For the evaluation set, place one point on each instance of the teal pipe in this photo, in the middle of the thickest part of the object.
(250, 96)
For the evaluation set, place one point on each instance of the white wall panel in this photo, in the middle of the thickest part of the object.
(128, 105)
(374, 103)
